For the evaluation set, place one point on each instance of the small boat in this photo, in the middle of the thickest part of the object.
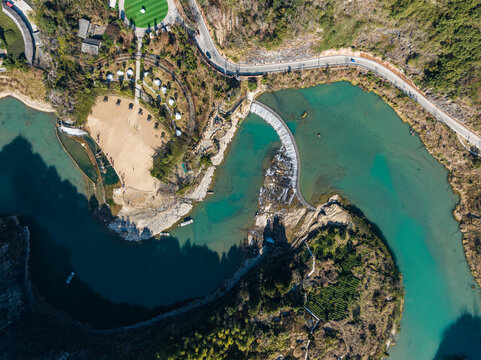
(411, 131)
(164, 234)
(210, 192)
(187, 222)
(319, 135)
(70, 277)
(304, 114)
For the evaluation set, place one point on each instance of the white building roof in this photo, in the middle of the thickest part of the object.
(83, 28)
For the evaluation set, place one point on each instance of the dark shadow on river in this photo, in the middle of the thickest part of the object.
(461, 340)
(116, 282)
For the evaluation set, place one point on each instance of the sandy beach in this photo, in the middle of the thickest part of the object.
(145, 213)
(34, 104)
(128, 139)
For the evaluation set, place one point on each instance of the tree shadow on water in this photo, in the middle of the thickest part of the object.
(461, 340)
(116, 282)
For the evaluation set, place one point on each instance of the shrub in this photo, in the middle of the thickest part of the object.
(252, 84)
(167, 158)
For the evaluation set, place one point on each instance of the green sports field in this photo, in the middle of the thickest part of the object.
(155, 12)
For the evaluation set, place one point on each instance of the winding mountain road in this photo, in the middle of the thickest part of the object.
(20, 20)
(207, 47)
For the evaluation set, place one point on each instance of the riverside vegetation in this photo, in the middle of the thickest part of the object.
(261, 318)
(355, 290)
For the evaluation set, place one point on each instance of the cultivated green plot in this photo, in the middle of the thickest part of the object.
(333, 301)
(155, 12)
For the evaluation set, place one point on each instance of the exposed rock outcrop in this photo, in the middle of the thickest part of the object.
(277, 200)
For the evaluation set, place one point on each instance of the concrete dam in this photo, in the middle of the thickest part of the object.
(287, 140)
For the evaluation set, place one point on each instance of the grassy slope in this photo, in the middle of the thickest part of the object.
(438, 43)
(10, 36)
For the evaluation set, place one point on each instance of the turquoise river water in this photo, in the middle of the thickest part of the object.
(118, 282)
(365, 153)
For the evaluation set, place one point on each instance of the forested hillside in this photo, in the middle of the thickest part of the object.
(438, 43)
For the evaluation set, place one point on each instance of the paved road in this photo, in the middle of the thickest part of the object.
(21, 22)
(138, 55)
(207, 46)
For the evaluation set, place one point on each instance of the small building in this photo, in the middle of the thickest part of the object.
(112, 3)
(171, 101)
(130, 72)
(164, 89)
(83, 28)
(178, 116)
(91, 46)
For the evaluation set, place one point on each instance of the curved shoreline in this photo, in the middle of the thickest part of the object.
(33, 104)
(275, 114)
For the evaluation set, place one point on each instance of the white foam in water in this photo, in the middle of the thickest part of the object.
(281, 129)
